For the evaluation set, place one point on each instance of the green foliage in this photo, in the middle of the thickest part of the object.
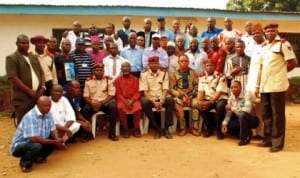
(4, 83)
(264, 5)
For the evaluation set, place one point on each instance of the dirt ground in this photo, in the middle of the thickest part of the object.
(181, 157)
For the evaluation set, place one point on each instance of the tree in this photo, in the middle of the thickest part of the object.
(264, 5)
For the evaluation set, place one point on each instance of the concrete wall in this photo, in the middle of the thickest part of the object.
(13, 25)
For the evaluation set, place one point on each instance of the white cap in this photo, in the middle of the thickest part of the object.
(171, 43)
(155, 35)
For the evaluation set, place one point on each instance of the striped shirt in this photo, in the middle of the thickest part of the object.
(83, 65)
(33, 124)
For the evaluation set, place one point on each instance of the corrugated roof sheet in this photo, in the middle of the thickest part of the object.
(135, 3)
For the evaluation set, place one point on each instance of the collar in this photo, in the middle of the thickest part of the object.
(38, 111)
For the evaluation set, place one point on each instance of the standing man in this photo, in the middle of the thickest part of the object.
(124, 32)
(211, 29)
(110, 31)
(32, 140)
(276, 59)
(147, 32)
(128, 100)
(247, 38)
(162, 30)
(26, 75)
(134, 54)
(73, 35)
(98, 94)
(154, 84)
(112, 63)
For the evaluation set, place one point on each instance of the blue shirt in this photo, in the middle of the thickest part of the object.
(135, 56)
(74, 101)
(209, 34)
(161, 53)
(168, 33)
(33, 124)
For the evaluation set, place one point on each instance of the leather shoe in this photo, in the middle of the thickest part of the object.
(126, 134)
(24, 168)
(40, 160)
(275, 149)
(157, 134)
(137, 133)
(195, 132)
(113, 137)
(244, 142)
(206, 134)
(264, 144)
(220, 136)
(167, 134)
(181, 132)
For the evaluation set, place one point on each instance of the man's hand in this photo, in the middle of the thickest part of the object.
(59, 143)
(158, 106)
(224, 129)
(69, 133)
(228, 107)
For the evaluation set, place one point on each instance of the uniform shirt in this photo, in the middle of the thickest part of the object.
(240, 103)
(108, 62)
(62, 111)
(197, 60)
(135, 56)
(98, 90)
(274, 57)
(154, 83)
(33, 124)
(48, 67)
(161, 53)
(211, 84)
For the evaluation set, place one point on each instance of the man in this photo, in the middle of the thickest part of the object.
(134, 54)
(110, 31)
(36, 136)
(155, 50)
(26, 75)
(239, 119)
(212, 94)
(276, 59)
(154, 84)
(211, 29)
(128, 100)
(176, 28)
(147, 32)
(179, 41)
(83, 62)
(173, 60)
(163, 42)
(230, 53)
(162, 30)
(73, 35)
(46, 61)
(140, 42)
(229, 32)
(92, 34)
(74, 96)
(63, 114)
(112, 63)
(196, 57)
(183, 86)
(193, 33)
(205, 45)
(96, 52)
(258, 36)
(247, 38)
(51, 49)
(124, 32)
(65, 66)
(217, 54)
(98, 95)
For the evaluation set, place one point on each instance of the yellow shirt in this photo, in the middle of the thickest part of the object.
(155, 83)
(274, 71)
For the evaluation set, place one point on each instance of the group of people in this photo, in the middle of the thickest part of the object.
(230, 82)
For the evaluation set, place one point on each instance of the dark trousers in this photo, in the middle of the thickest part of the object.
(110, 109)
(273, 112)
(136, 119)
(48, 85)
(30, 151)
(147, 108)
(208, 121)
(247, 122)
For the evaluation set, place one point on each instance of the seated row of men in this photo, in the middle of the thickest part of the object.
(59, 118)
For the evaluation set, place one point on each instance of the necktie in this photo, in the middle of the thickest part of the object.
(114, 66)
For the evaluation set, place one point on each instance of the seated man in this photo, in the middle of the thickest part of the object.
(128, 99)
(63, 113)
(32, 140)
(238, 116)
(183, 86)
(212, 94)
(98, 95)
(154, 84)
(74, 97)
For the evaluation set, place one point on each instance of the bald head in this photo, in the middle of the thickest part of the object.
(44, 104)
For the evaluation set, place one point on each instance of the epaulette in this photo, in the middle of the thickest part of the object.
(282, 40)
(89, 78)
(220, 74)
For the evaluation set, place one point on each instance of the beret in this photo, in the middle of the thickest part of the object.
(271, 25)
(38, 38)
(153, 59)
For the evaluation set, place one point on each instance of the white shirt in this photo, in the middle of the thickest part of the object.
(108, 62)
(249, 43)
(197, 61)
(119, 41)
(34, 79)
(62, 111)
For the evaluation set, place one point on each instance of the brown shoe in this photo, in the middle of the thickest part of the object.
(264, 144)
(182, 132)
(195, 132)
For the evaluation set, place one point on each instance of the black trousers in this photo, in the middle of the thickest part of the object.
(273, 112)
(110, 109)
(147, 109)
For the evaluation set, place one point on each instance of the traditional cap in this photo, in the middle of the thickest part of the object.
(38, 38)
(79, 41)
(271, 25)
(155, 35)
(171, 43)
(256, 27)
(153, 58)
(95, 39)
(98, 66)
(160, 18)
